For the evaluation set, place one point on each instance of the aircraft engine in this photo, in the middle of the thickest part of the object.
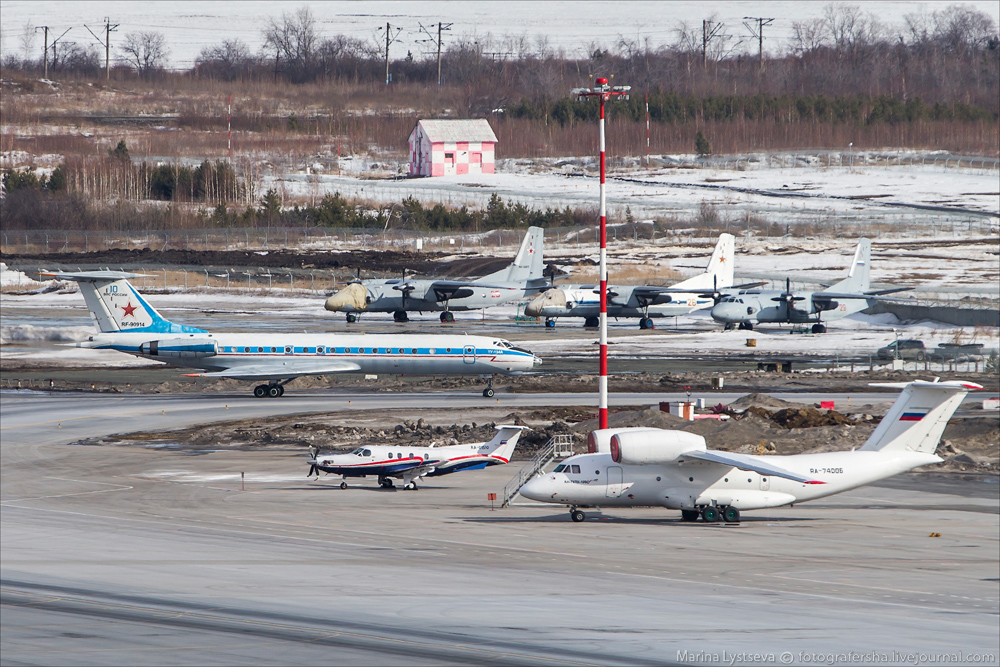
(184, 348)
(599, 441)
(653, 446)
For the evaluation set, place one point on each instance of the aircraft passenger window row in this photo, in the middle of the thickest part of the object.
(331, 350)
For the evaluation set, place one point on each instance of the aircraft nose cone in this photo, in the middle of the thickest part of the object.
(538, 489)
(548, 298)
(351, 298)
(536, 360)
(534, 307)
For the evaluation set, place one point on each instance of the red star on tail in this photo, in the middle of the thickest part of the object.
(129, 310)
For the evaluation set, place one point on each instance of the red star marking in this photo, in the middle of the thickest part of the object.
(531, 250)
(129, 310)
(722, 258)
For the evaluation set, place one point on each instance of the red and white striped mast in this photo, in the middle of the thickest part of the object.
(603, 91)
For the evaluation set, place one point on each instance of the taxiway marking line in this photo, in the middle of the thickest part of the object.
(41, 599)
(844, 583)
(120, 487)
(800, 593)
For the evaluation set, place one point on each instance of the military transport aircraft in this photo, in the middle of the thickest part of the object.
(523, 277)
(849, 296)
(650, 467)
(127, 323)
(411, 463)
(644, 302)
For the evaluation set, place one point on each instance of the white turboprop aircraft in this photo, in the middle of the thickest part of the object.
(644, 301)
(411, 463)
(649, 467)
(128, 324)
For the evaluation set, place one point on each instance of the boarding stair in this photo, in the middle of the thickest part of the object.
(559, 446)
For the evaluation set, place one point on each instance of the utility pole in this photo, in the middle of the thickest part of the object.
(106, 43)
(45, 50)
(758, 32)
(389, 39)
(709, 30)
(441, 26)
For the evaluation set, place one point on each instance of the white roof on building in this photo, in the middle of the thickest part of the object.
(474, 130)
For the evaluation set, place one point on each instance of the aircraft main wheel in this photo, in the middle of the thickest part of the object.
(488, 392)
(281, 390)
(343, 485)
(749, 326)
(351, 318)
(400, 316)
(274, 391)
(260, 391)
(729, 326)
(550, 323)
(447, 316)
(689, 515)
(591, 322)
(731, 515)
(818, 328)
(646, 323)
(410, 486)
(710, 514)
(577, 516)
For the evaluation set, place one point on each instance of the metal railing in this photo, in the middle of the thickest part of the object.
(558, 446)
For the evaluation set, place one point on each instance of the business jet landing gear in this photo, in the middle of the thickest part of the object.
(447, 317)
(819, 328)
(591, 323)
(577, 515)
(746, 325)
(400, 316)
(352, 318)
(386, 483)
(488, 392)
(410, 486)
(646, 323)
(272, 390)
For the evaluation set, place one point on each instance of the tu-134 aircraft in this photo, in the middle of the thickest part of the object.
(644, 302)
(127, 323)
(849, 296)
(523, 277)
(650, 467)
(412, 463)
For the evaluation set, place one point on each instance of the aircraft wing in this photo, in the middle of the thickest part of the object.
(706, 291)
(283, 369)
(746, 462)
(823, 296)
(457, 289)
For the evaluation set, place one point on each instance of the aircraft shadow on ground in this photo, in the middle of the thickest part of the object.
(593, 517)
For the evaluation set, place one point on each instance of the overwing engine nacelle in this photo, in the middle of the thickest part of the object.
(653, 447)
(184, 348)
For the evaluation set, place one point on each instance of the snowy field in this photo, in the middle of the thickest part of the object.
(574, 28)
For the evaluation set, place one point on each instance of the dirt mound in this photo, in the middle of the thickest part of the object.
(625, 419)
(762, 401)
(808, 418)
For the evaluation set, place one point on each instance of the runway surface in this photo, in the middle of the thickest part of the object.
(123, 555)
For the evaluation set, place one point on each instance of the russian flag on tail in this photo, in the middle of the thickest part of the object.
(913, 415)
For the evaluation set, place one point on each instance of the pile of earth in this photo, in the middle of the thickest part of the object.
(799, 417)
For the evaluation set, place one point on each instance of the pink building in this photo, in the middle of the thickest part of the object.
(443, 147)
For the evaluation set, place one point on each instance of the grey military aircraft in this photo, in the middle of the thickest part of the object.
(850, 295)
(523, 277)
(643, 301)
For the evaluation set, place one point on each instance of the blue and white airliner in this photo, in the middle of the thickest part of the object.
(128, 323)
(410, 463)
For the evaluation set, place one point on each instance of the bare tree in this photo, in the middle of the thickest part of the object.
(145, 51)
(27, 40)
(808, 36)
(295, 40)
(226, 60)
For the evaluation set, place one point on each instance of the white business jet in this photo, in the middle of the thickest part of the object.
(648, 467)
(412, 463)
(127, 323)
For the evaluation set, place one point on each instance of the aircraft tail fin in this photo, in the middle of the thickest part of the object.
(116, 306)
(503, 443)
(917, 419)
(720, 271)
(528, 264)
(857, 279)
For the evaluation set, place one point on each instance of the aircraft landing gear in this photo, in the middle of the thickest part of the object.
(746, 325)
(591, 323)
(819, 328)
(646, 323)
(689, 515)
(400, 316)
(386, 483)
(729, 326)
(272, 390)
(577, 515)
(343, 485)
(410, 486)
(550, 323)
(488, 392)
(447, 317)
(352, 318)
(710, 514)
(731, 515)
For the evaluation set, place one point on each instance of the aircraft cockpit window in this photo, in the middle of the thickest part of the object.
(367, 452)
(559, 468)
(576, 469)
(358, 451)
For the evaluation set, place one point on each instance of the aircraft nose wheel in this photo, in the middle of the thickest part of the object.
(550, 323)
(343, 485)
(488, 392)
(352, 318)
(577, 515)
